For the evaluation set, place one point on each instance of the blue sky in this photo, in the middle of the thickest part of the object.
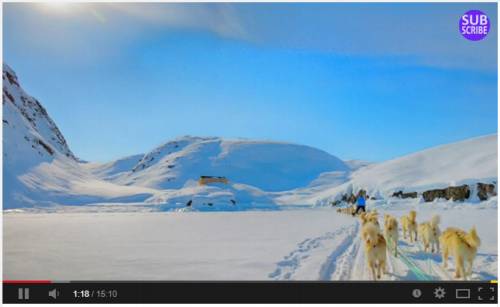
(361, 81)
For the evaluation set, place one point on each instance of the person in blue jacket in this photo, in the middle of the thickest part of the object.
(360, 204)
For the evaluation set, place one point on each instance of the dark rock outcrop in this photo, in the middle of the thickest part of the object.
(459, 193)
(8, 95)
(485, 190)
(400, 194)
(12, 78)
(46, 147)
(455, 193)
(430, 195)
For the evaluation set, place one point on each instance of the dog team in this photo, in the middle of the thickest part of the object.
(460, 245)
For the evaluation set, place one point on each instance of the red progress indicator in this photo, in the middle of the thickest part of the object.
(38, 281)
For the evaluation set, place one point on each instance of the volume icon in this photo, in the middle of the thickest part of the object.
(54, 293)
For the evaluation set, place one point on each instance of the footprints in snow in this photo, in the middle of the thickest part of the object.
(286, 268)
(342, 252)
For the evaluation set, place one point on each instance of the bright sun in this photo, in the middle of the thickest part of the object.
(59, 7)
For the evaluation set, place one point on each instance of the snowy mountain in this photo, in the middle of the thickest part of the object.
(453, 164)
(38, 166)
(466, 162)
(24, 117)
(270, 166)
(255, 169)
(30, 137)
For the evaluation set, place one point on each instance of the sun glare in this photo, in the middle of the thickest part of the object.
(58, 7)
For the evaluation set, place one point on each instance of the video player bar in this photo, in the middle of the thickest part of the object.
(249, 292)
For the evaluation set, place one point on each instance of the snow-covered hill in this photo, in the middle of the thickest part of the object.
(453, 164)
(267, 165)
(255, 170)
(465, 162)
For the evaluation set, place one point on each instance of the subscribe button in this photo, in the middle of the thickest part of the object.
(474, 25)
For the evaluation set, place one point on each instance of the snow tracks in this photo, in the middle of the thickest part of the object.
(317, 258)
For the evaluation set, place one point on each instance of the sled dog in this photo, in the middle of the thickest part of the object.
(346, 210)
(375, 249)
(429, 234)
(462, 246)
(391, 232)
(409, 224)
(369, 217)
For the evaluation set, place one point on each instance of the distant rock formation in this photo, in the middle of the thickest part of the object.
(459, 193)
(485, 190)
(400, 194)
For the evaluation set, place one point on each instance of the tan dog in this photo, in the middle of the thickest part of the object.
(462, 246)
(429, 234)
(346, 210)
(409, 224)
(362, 218)
(369, 217)
(375, 249)
(391, 232)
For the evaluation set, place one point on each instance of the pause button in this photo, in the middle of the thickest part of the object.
(23, 293)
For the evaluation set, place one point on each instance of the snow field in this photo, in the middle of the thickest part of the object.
(309, 244)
